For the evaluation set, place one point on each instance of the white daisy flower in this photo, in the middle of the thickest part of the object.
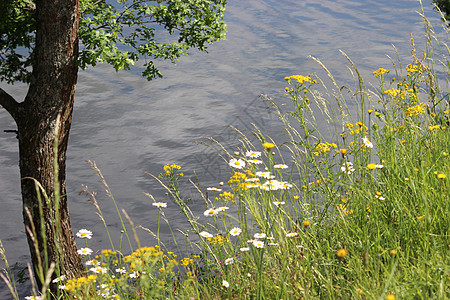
(255, 161)
(98, 270)
(266, 175)
(367, 143)
(244, 249)
(252, 185)
(228, 261)
(92, 262)
(135, 275)
(235, 231)
(121, 270)
(259, 235)
(84, 251)
(210, 212)
(258, 244)
(278, 203)
(33, 298)
(347, 168)
(237, 163)
(58, 279)
(213, 189)
(378, 166)
(225, 283)
(254, 179)
(280, 166)
(159, 204)
(222, 208)
(84, 233)
(206, 234)
(253, 154)
(292, 234)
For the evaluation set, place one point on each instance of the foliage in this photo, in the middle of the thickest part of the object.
(119, 34)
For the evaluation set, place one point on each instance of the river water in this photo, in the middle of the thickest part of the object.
(129, 126)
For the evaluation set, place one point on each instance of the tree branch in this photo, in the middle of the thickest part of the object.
(8, 103)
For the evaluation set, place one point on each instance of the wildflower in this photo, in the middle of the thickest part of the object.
(415, 110)
(160, 204)
(370, 111)
(286, 89)
(213, 189)
(306, 223)
(258, 244)
(121, 270)
(393, 252)
(341, 253)
(33, 298)
(58, 279)
(237, 163)
(255, 161)
(431, 128)
(225, 283)
(206, 234)
(367, 143)
(253, 154)
(406, 179)
(84, 233)
(380, 71)
(379, 197)
(244, 249)
(343, 151)
(278, 203)
(235, 231)
(251, 179)
(371, 166)
(441, 176)
(268, 146)
(99, 270)
(84, 251)
(266, 175)
(390, 297)
(210, 212)
(292, 234)
(347, 168)
(228, 261)
(134, 275)
(280, 166)
(378, 166)
(92, 262)
(259, 235)
(222, 208)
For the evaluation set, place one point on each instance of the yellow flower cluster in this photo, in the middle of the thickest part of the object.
(237, 182)
(79, 283)
(431, 128)
(170, 168)
(186, 261)
(218, 240)
(380, 71)
(414, 69)
(415, 110)
(227, 196)
(142, 256)
(300, 78)
(323, 147)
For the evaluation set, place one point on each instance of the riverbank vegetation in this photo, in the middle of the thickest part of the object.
(358, 211)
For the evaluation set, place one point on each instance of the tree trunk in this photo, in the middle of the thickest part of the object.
(51, 93)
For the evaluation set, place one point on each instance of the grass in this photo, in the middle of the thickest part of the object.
(360, 212)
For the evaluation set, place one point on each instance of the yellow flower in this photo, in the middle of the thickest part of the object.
(306, 223)
(268, 146)
(370, 111)
(371, 166)
(286, 89)
(441, 176)
(341, 253)
(380, 71)
(393, 252)
(300, 78)
(390, 297)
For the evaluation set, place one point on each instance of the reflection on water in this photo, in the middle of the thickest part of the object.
(129, 126)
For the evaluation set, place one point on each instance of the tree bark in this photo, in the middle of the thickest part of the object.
(51, 93)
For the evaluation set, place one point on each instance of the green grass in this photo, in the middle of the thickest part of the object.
(359, 212)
